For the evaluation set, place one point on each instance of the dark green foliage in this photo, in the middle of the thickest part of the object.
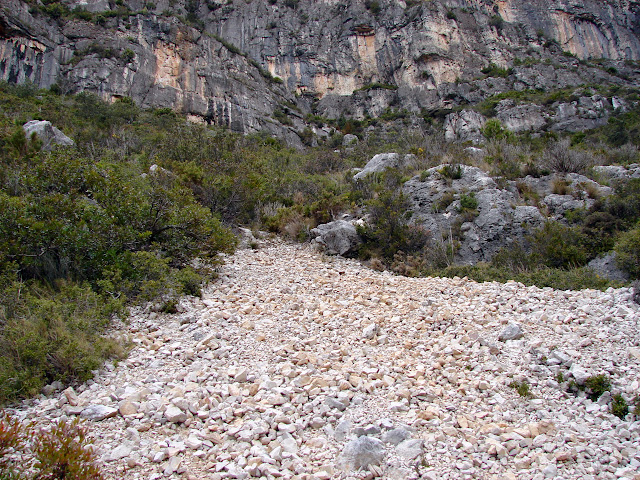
(468, 201)
(628, 252)
(373, 6)
(493, 130)
(596, 385)
(558, 246)
(387, 231)
(492, 70)
(619, 406)
(522, 388)
(85, 229)
(496, 21)
(450, 171)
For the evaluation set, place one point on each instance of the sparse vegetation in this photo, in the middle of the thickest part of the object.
(596, 385)
(619, 406)
(522, 387)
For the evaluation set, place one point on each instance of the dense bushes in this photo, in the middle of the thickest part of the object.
(84, 230)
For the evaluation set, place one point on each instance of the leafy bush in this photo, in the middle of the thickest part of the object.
(62, 451)
(493, 130)
(596, 385)
(619, 406)
(468, 201)
(450, 171)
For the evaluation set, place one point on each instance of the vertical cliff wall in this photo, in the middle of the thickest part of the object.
(238, 62)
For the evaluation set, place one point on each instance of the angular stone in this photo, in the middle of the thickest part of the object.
(175, 415)
(513, 331)
(98, 412)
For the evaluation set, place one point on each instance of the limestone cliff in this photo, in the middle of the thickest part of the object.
(263, 64)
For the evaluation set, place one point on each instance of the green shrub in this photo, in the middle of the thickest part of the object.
(596, 385)
(496, 21)
(493, 130)
(628, 252)
(450, 171)
(619, 406)
(468, 201)
(522, 388)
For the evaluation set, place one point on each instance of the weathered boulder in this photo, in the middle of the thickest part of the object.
(513, 331)
(337, 238)
(360, 453)
(49, 135)
(464, 126)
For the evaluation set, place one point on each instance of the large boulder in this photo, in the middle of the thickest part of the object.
(337, 238)
(49, 135)
(520, 118)
(606, 267)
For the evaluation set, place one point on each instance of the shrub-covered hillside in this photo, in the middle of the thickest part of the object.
(121, 216)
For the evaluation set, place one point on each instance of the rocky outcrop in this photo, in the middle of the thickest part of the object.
(264, 65)
(464, 126)
(470, 213)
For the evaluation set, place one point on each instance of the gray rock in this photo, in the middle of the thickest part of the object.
(464, 126)
(52, 388)
(396, 436)
(370, 331)
(98, 412)
(175, 415)
(335, 403)
(579, 374)
(379, 163)
(360, 453)
(349, 139)
(120, 452)
(342, 430)
(513, 331)
(337, 238)
(522, 118)
(410, 449)
(498, 220)
(49, 135)
(607, 267)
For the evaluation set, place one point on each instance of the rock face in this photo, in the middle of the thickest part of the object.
(236, 63)
(273, 379)
(49, 135)
(380, 162)
(496, 220)
(464, 126)
(336, 238)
